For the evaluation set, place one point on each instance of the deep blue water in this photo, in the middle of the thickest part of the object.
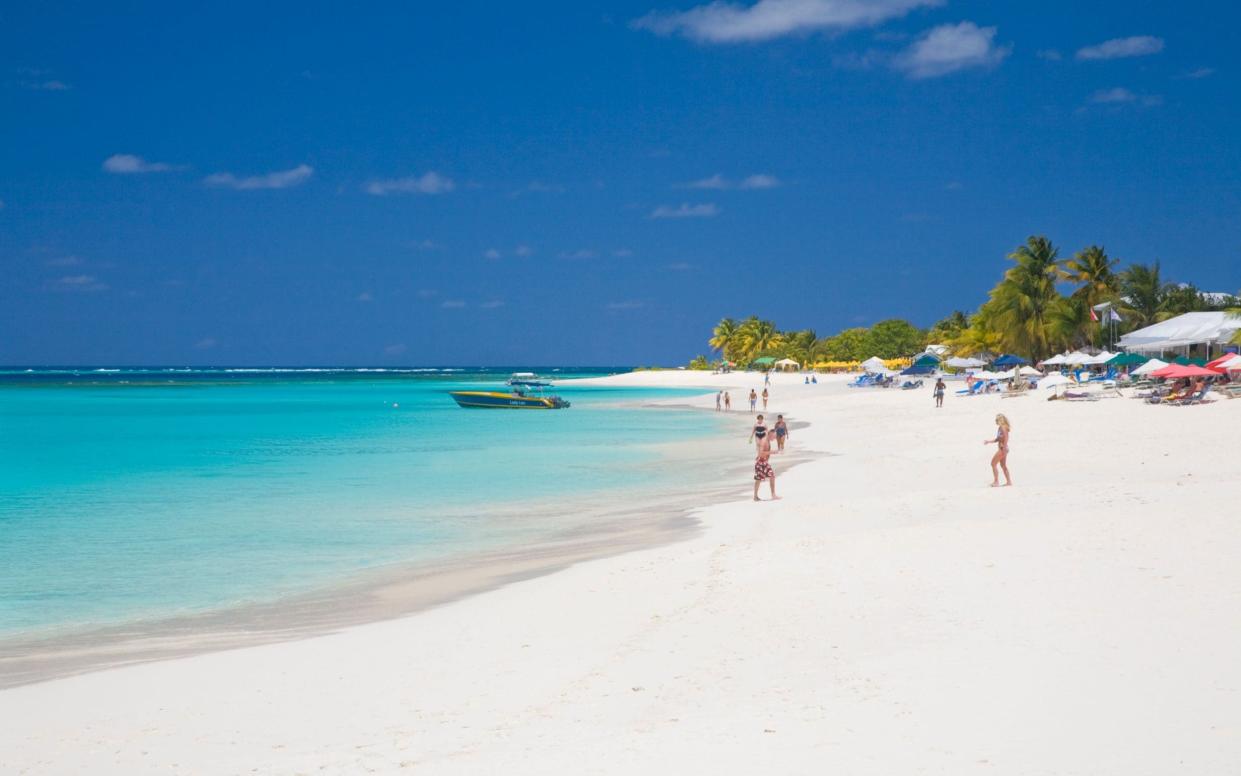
(141, 494)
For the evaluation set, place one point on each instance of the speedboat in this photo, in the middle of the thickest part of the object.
(525, 393)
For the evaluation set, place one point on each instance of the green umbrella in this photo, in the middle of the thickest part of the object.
(1127, 359)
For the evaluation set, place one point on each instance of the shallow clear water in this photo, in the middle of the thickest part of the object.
(166, 494)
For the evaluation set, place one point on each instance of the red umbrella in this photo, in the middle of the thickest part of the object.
(1226, 357)
(1177, 371)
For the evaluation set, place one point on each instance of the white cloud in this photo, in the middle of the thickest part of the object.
(206, 343)
(523, 250)
(622, 253)
(949, 48)
(680, 266)
(540, 187)
(128, 163)
(452, 304)
(491, 253)
(281, 179)
(80, 283)
(428, 183)
(492, 304)
(1202, 72)
(953, 186)
(581, 253)
(1120, 95)
(726, 22)
(47, 86)
(1117, 48)
(365, 296)
(718, 182)
(64, 261)
(686, 210)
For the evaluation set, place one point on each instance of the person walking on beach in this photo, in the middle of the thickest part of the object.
(764, 399)
(759, 430)
(728, 402)
(782, 433)
(939, 391)
(1000, 459)
(719, 397)
(762, 467)
(766, 379)
(753, 400)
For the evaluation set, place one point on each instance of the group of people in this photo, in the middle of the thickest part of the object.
(761, 436)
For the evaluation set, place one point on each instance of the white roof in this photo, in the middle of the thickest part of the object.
(959, 362)
(1183, 330)
(1150, 366)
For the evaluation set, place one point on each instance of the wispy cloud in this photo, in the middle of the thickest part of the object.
(523, 251)
(365, 296)
(953, 186)
(622, 253)
(79, 283)
(492, 304)
(726, 22)
(206, 343)
(580, 253)
(629, 304)
(1202, 72)
(680, 266)
(1118, 48)
(686, 210)
(46, 86)
(281, 179)
(539, 187)
(452, 304)
(64, 261)
(1120, 95)
(492, 253)
(718, 182)
(428, 183)
(1051, 55)
(124, 164)
(950, 48)
(424, 245)
(395, 349)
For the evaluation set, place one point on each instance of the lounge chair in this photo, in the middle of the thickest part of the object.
(1197, 397)
(910, 385)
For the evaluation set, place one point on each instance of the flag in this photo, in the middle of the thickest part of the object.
(1115, 316)
(1093, 315)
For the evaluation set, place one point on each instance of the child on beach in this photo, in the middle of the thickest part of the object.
(782, 433)
(1001, 455)
(762, 467)
(939, 392)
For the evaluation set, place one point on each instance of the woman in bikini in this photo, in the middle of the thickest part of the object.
(782, 433)
(1000, 459)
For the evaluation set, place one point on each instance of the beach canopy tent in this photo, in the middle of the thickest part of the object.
(763, 363)
(787, 365)
(1077, 358)
(1127, 359)
(875, 364)
(1030, 371)
(964, 363)
(1101, 358)
(1177, 371)
(1203, 328)
(1008, 359)
(1150, 366)
(919, 370)
(1187, 361)
(926, 359)
(1057, 360)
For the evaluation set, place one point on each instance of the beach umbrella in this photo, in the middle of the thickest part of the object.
(1101, 358)
(1055, 360)
(1077, 357)
(875, 364)
(964, 363)
(1232, 363)
(1150, 366)
(1030, 371)
(1218, 362)
(1127, 359)
(1053, 380)
(1008, 359)
(1177, 371)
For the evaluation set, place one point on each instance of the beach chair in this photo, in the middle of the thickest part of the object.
(1197, 397)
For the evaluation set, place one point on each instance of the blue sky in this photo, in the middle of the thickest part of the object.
(511, 183)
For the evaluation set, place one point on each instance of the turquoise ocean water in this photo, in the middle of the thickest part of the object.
(130, 495)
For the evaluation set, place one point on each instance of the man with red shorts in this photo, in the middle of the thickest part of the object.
(762, 464)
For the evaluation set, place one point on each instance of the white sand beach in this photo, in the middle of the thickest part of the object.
(891, 615)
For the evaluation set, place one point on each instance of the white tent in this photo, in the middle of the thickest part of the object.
(875, 364)
(1150, 366)
(1056, 360)
(1077, 358)
(964, 363)
(1183, 331)
(786, 365)
(1102, 358)
(1053, 380)
(1030, 371)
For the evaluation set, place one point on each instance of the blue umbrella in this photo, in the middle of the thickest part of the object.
(1008, 359)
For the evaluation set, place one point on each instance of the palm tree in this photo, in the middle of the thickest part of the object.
(726, 337)
(1144, 293)
(759, 336)
(1069, 325)
(1094, 273)
(1023, 301)
(799, 345)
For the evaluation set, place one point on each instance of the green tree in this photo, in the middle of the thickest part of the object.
(894, 338)
(799, 345)
(947, 329)
(1183, 298)
(700, 363)
(726, 337)
(848, 345)
(1144, 293)
(1069, 325)
(1022, 303)
(1094, 273)
(759, 336)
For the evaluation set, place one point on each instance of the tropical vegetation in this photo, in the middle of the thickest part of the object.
(1043, 303)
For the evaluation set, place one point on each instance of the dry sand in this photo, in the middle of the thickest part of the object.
(892, 615)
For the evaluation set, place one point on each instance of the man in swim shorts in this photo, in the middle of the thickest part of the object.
(762, 467)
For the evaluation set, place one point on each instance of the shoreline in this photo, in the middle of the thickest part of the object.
(384, 593)
(892, 614)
